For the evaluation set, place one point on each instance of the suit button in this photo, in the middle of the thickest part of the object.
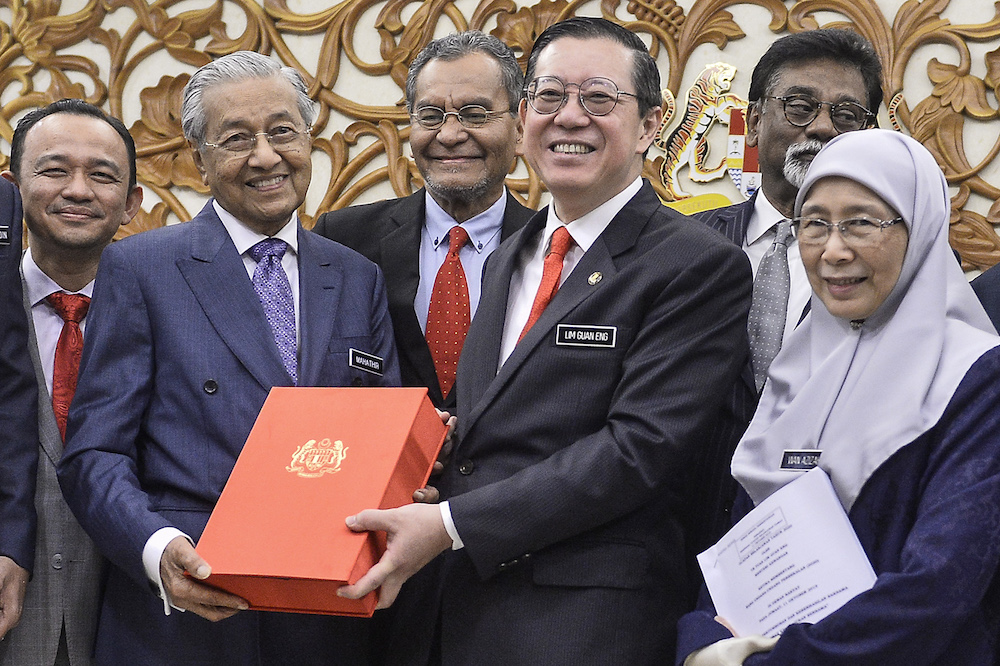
(356, 381)
(466, 467)
(57, 561)
(211, 386)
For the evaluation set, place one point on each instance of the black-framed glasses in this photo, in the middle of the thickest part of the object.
(800, 110)
(282, 138)
(598, 95)
(471, 116)
(857, 231)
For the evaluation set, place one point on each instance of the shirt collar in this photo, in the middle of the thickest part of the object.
(40, 285)
(245, 238)
(764, 217)
(587, 228)
(481, 228)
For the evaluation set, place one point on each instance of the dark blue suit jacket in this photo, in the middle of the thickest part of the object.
(18, 395)
(177, 362)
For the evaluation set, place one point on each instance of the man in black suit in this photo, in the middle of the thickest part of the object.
(834, 76)
(18, 421)
(610, 330)
(462, 93)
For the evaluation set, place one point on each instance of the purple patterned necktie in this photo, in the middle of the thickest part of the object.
(271, 285)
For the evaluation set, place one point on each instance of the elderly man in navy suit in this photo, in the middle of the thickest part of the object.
(609, 332)
(462, 92)
(191, 326)
(18, 421)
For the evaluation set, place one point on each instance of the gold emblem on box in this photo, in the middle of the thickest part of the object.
(312, 459)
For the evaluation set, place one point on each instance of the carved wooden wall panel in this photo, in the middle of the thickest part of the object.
(941, 60)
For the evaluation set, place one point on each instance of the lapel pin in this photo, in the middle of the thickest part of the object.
(594, 278)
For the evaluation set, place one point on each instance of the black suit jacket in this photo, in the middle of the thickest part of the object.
(987, 288)
(572, 478)
(388, 233)
(18, 395)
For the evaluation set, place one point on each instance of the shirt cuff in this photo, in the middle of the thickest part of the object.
(152, 553)
(449, 526)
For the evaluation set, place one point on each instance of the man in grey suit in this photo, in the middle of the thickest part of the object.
(75, 169)
(463, 161)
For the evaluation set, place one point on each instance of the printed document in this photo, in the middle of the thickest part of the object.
(794, 558)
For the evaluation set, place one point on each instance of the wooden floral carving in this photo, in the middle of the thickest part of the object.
(100, 52)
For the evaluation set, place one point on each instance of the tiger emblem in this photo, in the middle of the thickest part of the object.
(707, 101)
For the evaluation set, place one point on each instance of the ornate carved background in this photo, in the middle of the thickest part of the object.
(942, 79)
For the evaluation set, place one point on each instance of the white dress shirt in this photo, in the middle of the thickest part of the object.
(48, 324)
(760, 236)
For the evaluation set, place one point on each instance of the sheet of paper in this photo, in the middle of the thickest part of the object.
(794, 558)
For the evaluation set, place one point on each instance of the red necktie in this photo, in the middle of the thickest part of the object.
(551, 271)
(449, 313)
(72, 308)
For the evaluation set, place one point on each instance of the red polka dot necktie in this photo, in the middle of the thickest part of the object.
(551, 272)
(449, 314)
(71, 308)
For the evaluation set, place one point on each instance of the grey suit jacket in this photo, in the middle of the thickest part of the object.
(67, 572)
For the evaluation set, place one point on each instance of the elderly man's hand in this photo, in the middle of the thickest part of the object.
(13, 583)
(415, 536)
(186, 591)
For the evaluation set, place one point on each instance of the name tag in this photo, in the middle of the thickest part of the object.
(573, 335)
(367, 362)
(4, 234)
(800, 460)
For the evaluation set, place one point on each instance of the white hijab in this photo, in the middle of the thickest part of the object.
(861, 395)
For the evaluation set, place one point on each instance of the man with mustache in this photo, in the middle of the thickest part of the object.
(806, 89)
(462, 92)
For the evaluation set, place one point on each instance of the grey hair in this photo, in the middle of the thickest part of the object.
(459, 44)
(237, 66)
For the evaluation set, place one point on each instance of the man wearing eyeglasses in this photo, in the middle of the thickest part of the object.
(806, 89)
(190, 327)
(462, 92)
(609, 330)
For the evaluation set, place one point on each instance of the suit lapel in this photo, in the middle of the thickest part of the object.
(236, 315)
(620, 236)
(48, 429)
(320, 282)
(400, 261)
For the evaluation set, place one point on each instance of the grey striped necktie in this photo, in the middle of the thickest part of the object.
(766, 323)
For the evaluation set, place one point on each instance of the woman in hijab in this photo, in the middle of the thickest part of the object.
(895, 378)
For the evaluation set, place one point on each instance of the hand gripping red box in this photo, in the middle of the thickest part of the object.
(277, 536)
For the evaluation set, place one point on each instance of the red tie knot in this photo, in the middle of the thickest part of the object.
(457, 238)
(561, 241)
(70, 307)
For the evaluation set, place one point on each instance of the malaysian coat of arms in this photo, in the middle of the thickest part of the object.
(314, 459)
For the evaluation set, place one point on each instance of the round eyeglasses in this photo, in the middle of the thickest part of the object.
(471, 116)
(800, 110)
(857, 231)
(283, 138)
(598, 95)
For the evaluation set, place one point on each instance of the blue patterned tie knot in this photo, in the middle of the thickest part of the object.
(272, 287)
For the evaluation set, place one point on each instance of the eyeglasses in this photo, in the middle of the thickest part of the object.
(800, 110)
(598, 95)
(282, 138)
(857, 231)
(471, 116)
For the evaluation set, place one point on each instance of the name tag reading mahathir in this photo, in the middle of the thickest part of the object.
(582, 335)
(367, 362)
